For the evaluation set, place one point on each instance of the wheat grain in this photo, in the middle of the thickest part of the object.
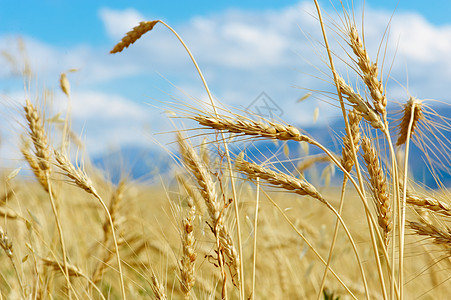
(359, 104)
(282, 180)
(348, 157)
(187, 263)
(6, 243)
(412, 109)
(428, 203)
(38, 136)
(439, 236)
(269, 130)
(158, 288)
(378, 186)
(369, 70)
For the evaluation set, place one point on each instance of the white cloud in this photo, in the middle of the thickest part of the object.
(118, 22)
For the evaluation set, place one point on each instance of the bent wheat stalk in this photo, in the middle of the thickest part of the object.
(134, 35)
(369, 218)
(40, 165)
(81, 180)
(298, 186)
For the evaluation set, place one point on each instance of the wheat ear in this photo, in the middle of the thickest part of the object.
(348, 157)
(412, 110)
(269, 130)
(133, 35)
(369, 70)
(290, 183)
(158, 288)
(214, 207)
(439, 236)
(378, 187)
(187, 263)
(359, 104)
(428, 203)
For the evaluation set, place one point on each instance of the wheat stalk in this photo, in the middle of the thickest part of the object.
(40, 164)
(81, 179)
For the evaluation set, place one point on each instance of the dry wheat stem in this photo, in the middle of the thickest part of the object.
(396, 208)
(229, 160)
(254, 256)
(79, 178)
(348, 132)
(415, 114)
(113, 209)
(334, 238)
(378, 184)
(308, 243)
(131, 37)
(41, 168)
(348, 163)
(300, 187)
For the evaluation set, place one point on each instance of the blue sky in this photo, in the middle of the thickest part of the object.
(66, 22)
(243, 47)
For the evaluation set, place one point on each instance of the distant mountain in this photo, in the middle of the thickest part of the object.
(138, 163)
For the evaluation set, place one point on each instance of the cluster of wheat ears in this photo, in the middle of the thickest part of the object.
(392, 243)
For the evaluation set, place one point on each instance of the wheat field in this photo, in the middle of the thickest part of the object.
(233, 223)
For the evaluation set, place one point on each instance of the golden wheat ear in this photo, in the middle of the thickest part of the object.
(412, 114)
(134, 35)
